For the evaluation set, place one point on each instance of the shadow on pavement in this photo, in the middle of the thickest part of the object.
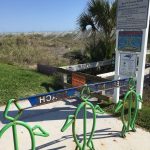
(99, 134)
(56, 113)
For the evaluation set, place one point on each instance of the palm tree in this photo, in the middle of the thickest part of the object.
(101, 17)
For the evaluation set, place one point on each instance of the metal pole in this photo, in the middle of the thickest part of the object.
(84, 126)
(142, 60)
(117, 66)
(15, 137)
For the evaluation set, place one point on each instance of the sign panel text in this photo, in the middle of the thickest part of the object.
(132, 14)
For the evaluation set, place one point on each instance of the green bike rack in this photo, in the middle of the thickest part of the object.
(130, 96)
(85, 95)
(35, 131)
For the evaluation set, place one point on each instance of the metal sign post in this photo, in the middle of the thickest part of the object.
(142, 59)
(132, 38)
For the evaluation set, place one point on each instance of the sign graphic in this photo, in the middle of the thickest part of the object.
(128, 63)
(132, 14)
(130, 41)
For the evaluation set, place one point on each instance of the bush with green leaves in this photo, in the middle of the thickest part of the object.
(99, 21)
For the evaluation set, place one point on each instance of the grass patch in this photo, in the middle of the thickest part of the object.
(143, 117)
(16, 82)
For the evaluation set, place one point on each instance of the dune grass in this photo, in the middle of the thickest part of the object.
(30, 49)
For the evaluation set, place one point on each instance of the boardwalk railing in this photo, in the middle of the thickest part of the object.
(85, 66)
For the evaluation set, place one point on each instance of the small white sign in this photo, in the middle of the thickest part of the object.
(132, 14)
(128, 64)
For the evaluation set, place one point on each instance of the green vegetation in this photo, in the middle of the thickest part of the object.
(99, 22)
(143, 118)
(148, 58)
(30, 49)
(16, 82)
(144, 115)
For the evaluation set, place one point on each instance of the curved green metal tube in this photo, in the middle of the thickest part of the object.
(72, 120)
(7, 110)
(85, 93)
(74, 123)
(130, 122)
(90, 142)
(69, 121)
(7, 126)
(42, 132)
(131, 119)
(14, 122)
(119, 106)
(13, 125)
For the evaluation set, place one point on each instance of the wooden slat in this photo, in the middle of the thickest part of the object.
(85, 66)
(88, 76)
(78, 80)
(46, 69)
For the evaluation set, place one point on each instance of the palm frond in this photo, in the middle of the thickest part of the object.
(101, 16)
(85, 20)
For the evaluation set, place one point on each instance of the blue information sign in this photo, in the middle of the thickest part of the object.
(130, 41)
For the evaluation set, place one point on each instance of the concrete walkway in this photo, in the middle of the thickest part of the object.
(52, 117)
